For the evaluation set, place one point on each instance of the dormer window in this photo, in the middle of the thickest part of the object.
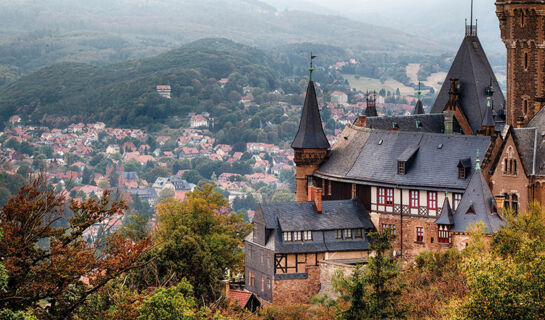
(307, 235)
(401, 167)
(287, 236)
(461, 173)
(464, 167)
(471, 210)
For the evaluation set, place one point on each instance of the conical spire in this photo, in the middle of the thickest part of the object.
(446, 214)
(419, 107)
(311, 133)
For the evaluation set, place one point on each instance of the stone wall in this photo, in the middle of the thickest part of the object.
(297, 290)
(327, 271)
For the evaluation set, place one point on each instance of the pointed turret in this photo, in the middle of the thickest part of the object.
(445, 218)
(310, 144)
(311, 133)
(477, 205)
(419, 107)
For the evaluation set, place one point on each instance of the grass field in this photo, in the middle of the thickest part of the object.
(364, 84)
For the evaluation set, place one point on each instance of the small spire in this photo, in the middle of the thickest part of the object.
(419, 90)
(478, 162)
(311, 68)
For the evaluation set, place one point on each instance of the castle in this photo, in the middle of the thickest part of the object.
(424, 177)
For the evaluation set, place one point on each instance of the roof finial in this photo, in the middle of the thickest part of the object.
(471, 20)
(311, 68)
(488, 102)
(419, 90)
(478, 162)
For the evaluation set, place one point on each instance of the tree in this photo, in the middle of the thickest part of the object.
(283, 195)
(164, 194)
(196, 241)
(373, 291)
(506, 280)
(174, 303)
(54, 272)
(136, 227)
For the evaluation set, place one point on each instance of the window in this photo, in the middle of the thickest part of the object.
(461, 173)
(525, 106)
(389, 227)
(287, 236)
(432, 200)
(419, 234)
(251, 280)
(505, 165)
(250, 252)
(526, 61)
(514, 166)
(457, 199)
(515, 203)
(385, 196)
(522, 19)
(339, 234)
(268, 283)
(444, 234)
(269, 260)
(506, 203)
(307, 235)
(297, 236)
(262, 283)
(348, 233)
(262, 258)
(414, 199)
(358, 234)
(401, 167)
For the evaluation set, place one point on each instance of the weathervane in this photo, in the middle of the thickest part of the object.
(311, 68)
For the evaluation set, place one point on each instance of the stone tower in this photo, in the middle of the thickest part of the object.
(522, 25)
(310, 144)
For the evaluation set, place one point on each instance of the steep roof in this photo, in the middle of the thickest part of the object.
(477, 205)
(310, 134)
(302, 216)
(419, 107)
(369, 156)
(446, 214)
(475, 74)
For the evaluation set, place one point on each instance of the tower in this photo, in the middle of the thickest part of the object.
(522, 25)
(310, 144)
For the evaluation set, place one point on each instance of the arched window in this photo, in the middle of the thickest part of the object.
(522, 18)
(505, 165)
(515, 166)
(526, 61)
(525, 106)
(510, 165)
(506, 203)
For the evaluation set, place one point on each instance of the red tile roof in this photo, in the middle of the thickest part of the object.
(239, 297)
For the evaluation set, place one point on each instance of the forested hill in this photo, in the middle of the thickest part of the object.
(124, 94)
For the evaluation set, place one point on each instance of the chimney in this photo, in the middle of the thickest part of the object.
(315, 194)
(520, 122)
(449, 120)
(226, 286)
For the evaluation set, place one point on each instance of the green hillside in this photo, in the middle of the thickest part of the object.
(124, 94)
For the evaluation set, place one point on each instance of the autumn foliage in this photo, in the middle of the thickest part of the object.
(51, 268)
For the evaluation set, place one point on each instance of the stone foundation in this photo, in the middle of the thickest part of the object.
(297, 290)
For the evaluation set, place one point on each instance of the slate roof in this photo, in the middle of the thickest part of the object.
(310, 134)
(434, 122)
(446, 214)
(477, 205)
(473, 70)
(419, 108)
(302, 216)
(370, 157)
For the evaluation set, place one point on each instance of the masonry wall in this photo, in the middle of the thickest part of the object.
(297, 290)
(522, 28)
(327, 272)
(505, 181)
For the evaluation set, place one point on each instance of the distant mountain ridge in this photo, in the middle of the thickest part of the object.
(40, 32)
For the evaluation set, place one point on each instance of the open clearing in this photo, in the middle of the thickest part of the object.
(364, 84)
